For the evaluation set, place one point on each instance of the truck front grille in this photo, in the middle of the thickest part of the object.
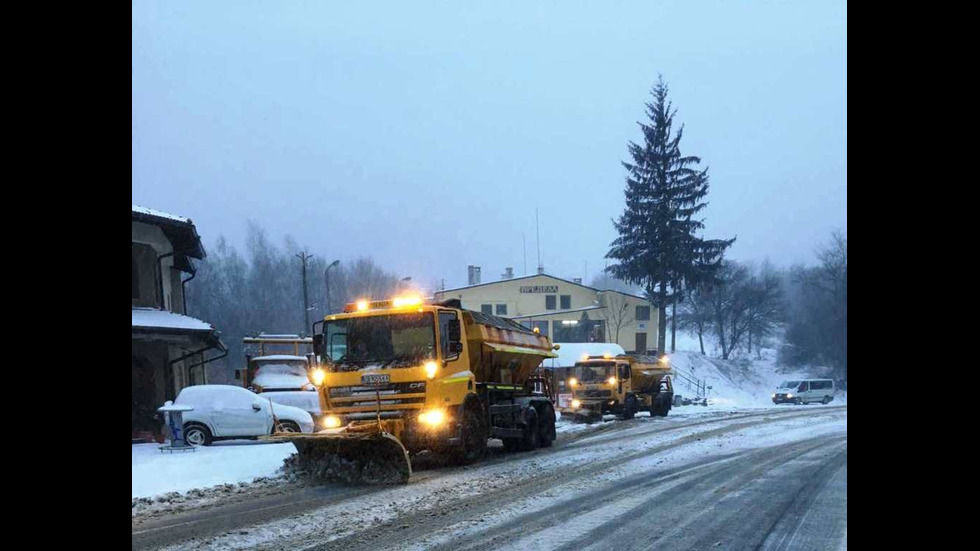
(592, 393)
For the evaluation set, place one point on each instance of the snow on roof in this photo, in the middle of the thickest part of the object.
(153, 318)
(160, 214)
(571, 352)
(280, 357)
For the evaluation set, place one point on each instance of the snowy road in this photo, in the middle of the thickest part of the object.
(770, 479)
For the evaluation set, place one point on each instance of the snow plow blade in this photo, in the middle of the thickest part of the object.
(353, 457)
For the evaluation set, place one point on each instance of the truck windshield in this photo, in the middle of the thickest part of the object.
(395, 340)
(595, 372)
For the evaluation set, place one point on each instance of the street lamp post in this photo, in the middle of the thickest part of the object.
(326, 282)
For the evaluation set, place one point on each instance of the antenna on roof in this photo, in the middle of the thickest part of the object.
(524, 242)
(537, 231)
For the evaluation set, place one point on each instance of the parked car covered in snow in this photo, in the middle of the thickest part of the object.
(279, 372)
(804, 391)
(223, 412)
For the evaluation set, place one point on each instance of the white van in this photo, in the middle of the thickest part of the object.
(804, 391)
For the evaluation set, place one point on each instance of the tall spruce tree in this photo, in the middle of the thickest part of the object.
(659, 246)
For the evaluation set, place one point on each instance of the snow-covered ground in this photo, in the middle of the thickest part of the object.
(156, 472)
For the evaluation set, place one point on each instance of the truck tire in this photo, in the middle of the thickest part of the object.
(474, 438)
(532, 435)
(547, 428)
(629, 407)
(511, 444)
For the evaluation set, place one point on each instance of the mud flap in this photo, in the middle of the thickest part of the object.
(370, 458)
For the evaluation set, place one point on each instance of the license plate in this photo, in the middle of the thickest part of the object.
(375, 379)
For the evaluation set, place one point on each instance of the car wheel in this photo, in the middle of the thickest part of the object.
(287, 426)
(197, 435)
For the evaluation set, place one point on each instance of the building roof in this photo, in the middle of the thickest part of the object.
(180, 231)
(515, 279)
(153, 320)
(563, 280)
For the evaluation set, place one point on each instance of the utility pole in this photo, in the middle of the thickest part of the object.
(303, 257)
(326, 282)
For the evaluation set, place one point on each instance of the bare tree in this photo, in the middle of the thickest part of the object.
(765, 307)
(695, 315)
(616, 311)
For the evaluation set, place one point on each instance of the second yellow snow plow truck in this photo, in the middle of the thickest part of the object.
(622, 385)
(401, 376)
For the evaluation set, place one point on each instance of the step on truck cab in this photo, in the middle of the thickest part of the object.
(622, 384)
(426, 376)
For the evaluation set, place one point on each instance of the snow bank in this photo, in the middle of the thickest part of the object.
(156, 472)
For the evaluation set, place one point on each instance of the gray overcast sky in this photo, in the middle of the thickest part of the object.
(424, 135)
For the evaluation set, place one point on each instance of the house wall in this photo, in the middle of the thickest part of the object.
(149, 242)
(524, 300)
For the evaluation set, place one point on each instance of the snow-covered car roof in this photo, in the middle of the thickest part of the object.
(279, 357)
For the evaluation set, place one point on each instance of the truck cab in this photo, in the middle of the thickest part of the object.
(434, 375)
(621, 385)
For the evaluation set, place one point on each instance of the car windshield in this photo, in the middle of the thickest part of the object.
(595, 372)
(789, 384)
(395, 340)
(282, 368)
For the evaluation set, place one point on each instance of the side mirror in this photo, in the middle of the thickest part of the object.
(257, 404)
(456, 347)
(453, 330)
(318, 347)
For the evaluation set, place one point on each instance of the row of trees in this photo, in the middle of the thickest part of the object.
(262, 289)
(807, 305)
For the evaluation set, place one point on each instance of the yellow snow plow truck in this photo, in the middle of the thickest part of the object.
(399, 376)
(622, 385)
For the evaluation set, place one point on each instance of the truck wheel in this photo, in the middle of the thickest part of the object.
(547, 427)
(474, 438)
(629, 407)
(532, 436)
(511, 444)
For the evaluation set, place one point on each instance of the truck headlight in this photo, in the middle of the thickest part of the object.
(576, 404)
(612, 381)
(430, 369)
(331, 421)
(317, 376)
(573, 381)
(433, 418)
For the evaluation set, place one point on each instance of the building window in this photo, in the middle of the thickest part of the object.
(487, 309)
(641, 343)
(136, 279)
(501, 309)
(566, 302)
(541, 326)
(642, 313)
(549, 302)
